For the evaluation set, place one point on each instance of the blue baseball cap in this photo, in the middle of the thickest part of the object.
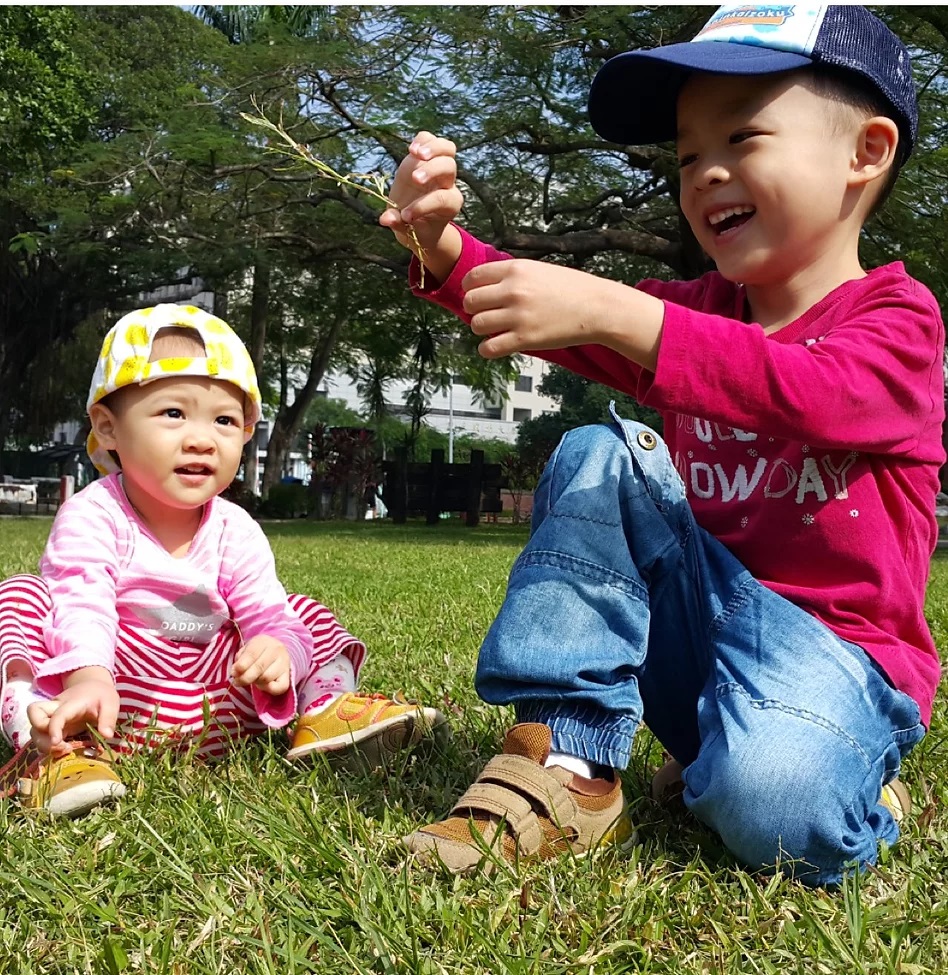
(633, 97)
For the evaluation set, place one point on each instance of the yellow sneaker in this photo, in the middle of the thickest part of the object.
(71, 785)
(895, 797)
(373, 726)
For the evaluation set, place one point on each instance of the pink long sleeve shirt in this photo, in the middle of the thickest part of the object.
(105, 570)
(812, 453)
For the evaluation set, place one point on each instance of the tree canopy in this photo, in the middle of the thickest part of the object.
(126, 166)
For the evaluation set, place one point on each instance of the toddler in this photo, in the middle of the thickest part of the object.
(158, 616)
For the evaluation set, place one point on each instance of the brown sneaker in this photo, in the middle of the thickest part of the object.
(667, 785)
(519, 810)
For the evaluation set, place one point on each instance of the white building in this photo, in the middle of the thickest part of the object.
(456, 409)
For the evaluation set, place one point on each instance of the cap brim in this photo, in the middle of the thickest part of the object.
(633, 97)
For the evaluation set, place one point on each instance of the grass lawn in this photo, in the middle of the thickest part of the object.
(251, 866)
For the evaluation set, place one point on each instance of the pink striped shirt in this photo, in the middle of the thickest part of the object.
(105, 570)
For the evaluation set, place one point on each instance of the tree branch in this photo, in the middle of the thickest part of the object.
(587, 243)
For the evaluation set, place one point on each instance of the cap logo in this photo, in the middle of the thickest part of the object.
(782, 27)
(744, 16)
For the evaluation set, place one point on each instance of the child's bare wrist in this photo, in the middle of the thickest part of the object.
(441, 254)
(88, 675)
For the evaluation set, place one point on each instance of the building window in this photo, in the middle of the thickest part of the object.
(521, 415)
(524, 384)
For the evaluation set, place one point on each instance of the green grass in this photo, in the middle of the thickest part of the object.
(251, 866)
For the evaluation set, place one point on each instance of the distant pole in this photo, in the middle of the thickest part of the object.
(451, 421)
(67, 486)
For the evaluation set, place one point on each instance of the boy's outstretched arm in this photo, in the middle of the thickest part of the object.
(427, 198)
(520, 305)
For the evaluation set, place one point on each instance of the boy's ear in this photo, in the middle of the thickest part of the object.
(876, 144)
(103, 425)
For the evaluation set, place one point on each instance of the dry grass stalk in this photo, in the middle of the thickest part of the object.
(374, 185)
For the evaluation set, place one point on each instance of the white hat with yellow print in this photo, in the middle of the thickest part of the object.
(126, 350)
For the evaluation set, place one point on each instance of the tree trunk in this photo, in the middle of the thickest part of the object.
(288, 420)
(259, 313)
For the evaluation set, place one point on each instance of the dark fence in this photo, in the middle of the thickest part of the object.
(437, 487)
(21, 509)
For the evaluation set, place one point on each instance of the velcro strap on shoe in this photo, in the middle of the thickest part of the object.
(533, 781)
(513, 809)
(494, 799)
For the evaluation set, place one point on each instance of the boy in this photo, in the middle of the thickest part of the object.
(769, 629)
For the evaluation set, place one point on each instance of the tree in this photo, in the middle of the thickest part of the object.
(84, 92)
(522, 471)
(581, 402)
(248, 23)
(333, 312)
(46, 106)
(168, 179)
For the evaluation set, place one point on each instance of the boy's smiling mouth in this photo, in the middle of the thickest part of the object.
(728, 218)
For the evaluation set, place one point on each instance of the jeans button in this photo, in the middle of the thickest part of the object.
(647, 440)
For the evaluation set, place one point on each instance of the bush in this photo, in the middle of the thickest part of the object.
(287, 501)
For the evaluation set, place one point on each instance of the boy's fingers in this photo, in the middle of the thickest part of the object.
(445, 204)
(485, 274)
(441, 171)
(421, 138)
(479, 301)
(425, 145)
(392, 219)
(499, 346)
(495, 323)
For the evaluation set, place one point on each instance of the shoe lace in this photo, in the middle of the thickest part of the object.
(397, 698)
(23, 765)
(26, 762)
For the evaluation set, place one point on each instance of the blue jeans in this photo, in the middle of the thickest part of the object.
(621, 609)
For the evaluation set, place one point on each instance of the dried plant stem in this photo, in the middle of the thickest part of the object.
(372, 184)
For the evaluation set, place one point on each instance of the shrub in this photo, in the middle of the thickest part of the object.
(286, 501)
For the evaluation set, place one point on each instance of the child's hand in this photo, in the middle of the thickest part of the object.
(523, 305)
(426, 197)
(264, 663)
(90, 702)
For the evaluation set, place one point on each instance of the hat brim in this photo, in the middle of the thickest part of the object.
(633, 97)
